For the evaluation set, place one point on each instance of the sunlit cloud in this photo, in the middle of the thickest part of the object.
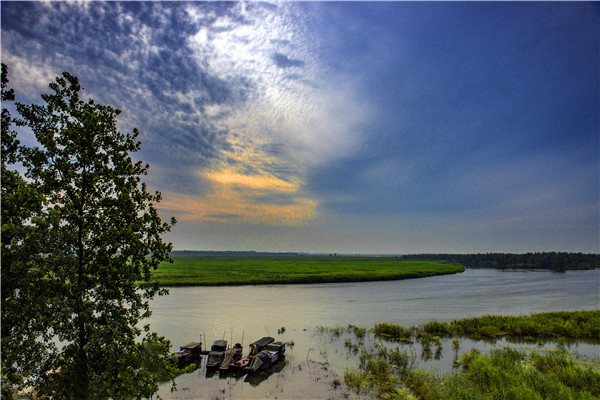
(227, 204)
(251, 181)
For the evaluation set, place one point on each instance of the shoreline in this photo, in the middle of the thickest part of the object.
(308, 281)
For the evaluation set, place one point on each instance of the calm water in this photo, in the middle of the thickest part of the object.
(244, 314)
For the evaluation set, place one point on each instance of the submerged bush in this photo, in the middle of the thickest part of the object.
(437, 328)
(393, 332)
(358, 331)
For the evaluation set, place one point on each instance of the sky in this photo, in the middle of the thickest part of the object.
(347, 127)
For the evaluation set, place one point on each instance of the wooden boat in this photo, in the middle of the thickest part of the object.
(188, 353)
(255, 348)
(231, 355)
(217, 352)
(272, 353)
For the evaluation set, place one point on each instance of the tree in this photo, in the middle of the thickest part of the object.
(23, 233)
(95, 234)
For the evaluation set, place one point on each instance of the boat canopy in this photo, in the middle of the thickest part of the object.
(191, 345)
(257, 346)
(278, 347)
(219, 345)
(259, 360)
(263, 341)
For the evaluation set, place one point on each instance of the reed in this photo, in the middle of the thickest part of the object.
(501, 374)
(556, 324)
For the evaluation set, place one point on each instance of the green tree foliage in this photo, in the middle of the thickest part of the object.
(557, 261)
(74, 255)
(25, 342)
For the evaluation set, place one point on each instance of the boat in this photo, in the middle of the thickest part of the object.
(231, 355)
(255, 348)
(217, 352)
(272, 353)
(187, 353)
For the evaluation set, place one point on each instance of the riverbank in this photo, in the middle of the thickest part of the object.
(200, 270)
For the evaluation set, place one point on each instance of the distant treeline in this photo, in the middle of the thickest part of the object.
(242, 253)
(547, 260)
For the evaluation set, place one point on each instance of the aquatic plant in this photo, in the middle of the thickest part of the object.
(438, 328)
(393, 332)
(574, 324)
(353, 347)
(559, 325)
(501, 374)
(358, 331)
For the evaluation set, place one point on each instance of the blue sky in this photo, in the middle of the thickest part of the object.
(349, 127)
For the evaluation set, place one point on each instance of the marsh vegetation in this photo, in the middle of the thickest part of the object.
(503, 373)
(561, 324)
(197, 270)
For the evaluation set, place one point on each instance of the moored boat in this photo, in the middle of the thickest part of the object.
(255, 348)
(231, 355)
(272, 353)
(188, 353)
(217, 352)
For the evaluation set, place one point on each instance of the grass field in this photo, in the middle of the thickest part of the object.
(196, 270)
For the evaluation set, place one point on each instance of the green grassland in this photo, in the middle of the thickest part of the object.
(197, 270)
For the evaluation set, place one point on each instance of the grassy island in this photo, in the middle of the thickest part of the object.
(201, 270)
(558, 324)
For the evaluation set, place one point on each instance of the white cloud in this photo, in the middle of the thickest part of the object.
(31, 77)
(298, 106)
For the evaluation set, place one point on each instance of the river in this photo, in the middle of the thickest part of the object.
(292, 313)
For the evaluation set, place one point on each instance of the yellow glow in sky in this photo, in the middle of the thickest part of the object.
(227, 205)
(266, 182)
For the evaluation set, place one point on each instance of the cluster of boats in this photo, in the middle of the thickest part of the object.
(263, 353)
